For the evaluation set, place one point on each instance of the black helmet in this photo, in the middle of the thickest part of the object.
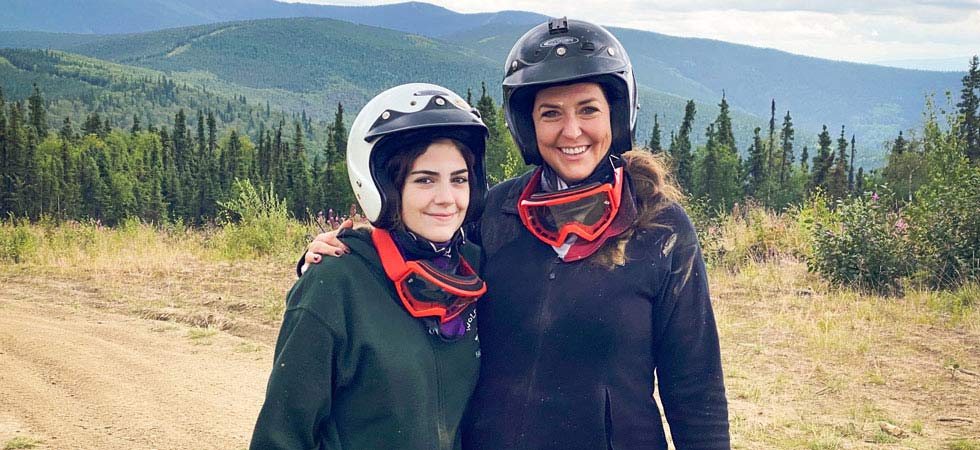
(396, 119)
(564, 51)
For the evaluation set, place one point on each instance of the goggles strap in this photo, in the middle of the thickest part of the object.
(464, 286)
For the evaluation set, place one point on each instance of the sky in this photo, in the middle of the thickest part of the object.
(925, 34)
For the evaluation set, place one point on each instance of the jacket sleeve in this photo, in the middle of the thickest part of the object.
(689, 372)
(298, 396)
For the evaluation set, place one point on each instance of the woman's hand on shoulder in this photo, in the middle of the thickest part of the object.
(326, 243)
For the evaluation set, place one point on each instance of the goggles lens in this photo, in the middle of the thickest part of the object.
(425, 290)
(585, 211)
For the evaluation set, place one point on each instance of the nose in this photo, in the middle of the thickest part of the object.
(571, 128)
(443, 194)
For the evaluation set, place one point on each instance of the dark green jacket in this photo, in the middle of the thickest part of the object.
(353, 370)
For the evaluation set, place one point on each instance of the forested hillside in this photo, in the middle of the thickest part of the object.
(134, 16)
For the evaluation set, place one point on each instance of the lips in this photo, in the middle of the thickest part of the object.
(442, 216)
(572, 151)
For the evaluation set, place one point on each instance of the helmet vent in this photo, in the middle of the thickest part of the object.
(558, 25)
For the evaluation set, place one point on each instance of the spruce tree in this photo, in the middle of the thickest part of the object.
(786, 157)
(836, 184)
(339, 133)
(772, 137)
(39, 117)
(723, 124)
(655, 146)
(899, 145)
(5, 188)
(969, 110)
(850, 172)
(680, 149)
(804, 156)
(823, 160)
(755, 170)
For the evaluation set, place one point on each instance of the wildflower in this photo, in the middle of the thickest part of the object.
(874, 197)
(901, 225)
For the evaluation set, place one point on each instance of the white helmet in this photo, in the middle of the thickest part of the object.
(393, 121)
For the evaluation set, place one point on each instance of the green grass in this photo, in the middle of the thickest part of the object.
(18, 443)
(964, 444)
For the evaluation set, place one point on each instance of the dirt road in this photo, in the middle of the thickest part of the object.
(77, 378)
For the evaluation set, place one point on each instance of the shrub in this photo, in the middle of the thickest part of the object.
(257, 223)
(945, 226)
(861, 243)
(18, 241)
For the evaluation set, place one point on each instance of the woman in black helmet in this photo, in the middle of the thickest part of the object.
(596, 285)
(378, 350)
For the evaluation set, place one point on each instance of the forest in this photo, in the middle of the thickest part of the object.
(914, 216)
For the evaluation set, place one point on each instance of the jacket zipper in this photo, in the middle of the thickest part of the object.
(445, 442)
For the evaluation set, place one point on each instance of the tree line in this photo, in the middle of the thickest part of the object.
(772, 175)
(184, 171)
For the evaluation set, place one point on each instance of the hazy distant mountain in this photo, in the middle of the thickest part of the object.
(133, 16)
(312, 63)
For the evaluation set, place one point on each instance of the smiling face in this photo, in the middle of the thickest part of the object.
(436, 192)
(572, 126)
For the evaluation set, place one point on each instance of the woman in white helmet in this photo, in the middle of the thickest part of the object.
(378, 350)
(597, 287)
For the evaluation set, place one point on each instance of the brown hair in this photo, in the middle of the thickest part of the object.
(400, 164)
(654, 188)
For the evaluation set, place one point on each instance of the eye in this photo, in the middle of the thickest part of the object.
(550, 114)
(589, 110)
(423, 180)
(461, 179)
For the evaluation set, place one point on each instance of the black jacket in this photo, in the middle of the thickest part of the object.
(353, 370)
(570, 350)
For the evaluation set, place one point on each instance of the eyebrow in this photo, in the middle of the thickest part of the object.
(555, 105)
(435, 174)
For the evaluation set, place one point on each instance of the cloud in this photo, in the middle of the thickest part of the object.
(863, 31)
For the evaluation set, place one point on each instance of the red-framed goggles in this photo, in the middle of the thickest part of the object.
(585, 211)
(425, 290)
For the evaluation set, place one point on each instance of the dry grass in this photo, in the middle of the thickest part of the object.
(807, 366)
(810, 367)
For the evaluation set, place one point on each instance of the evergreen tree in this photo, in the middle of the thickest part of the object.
(6, 189)
(716, 174)
(39, 117)
(136, 125)
(723, 124)
(339, 133)
(772, 137)
(850, 172)
(93, 125)
(655, 146)
(823, 160)
(836, 183)
(804, 156)
(500, 151)
(755, 170)
(899, 145)
(969, 109)
(786, 157)
(680, 149)
(299, 178)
